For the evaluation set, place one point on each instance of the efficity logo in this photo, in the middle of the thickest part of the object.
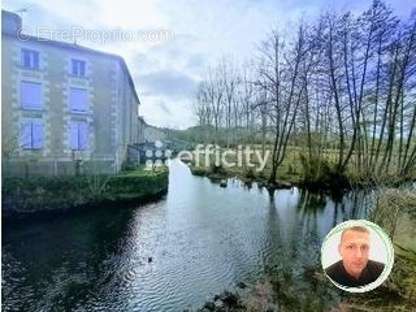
(157, 155)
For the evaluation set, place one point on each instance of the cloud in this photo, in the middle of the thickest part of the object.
(169, 83)
(196, 62)
(167, 112)
(164, 107)
(166, 72)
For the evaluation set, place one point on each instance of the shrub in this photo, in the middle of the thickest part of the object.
(64, 192)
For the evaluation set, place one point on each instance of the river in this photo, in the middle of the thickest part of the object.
(172, 254)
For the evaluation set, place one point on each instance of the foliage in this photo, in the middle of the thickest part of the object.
(395, 213)
(64, 192)
(344, 81)
(321, 173)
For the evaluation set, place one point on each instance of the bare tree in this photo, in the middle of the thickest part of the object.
(342, 89)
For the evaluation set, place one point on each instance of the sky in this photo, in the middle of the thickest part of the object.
(168, 45)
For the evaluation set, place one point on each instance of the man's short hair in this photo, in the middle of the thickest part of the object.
(357, 228)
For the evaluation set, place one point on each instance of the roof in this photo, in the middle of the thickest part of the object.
(74, 46)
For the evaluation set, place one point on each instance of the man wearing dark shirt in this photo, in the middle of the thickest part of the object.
(355, 269)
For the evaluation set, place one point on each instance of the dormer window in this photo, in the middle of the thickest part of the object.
(30, 59)
(78, 68)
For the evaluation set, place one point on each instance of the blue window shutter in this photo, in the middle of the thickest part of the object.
(37, 134)
(82, 68)
(73, 135)
(74, 67)
(83, 99)
(31, 95)
(78, 68)
(25, 58)
(30, 59)
(73, 103)
(78, 99)
(26, 135)
(83, 135)
(35, 64)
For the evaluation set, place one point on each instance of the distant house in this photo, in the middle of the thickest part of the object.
(149, 133)
(63, 103)
(151, 139)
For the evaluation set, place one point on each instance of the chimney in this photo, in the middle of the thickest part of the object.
(11, 23)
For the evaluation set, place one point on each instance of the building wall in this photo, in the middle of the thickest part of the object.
(125, 115)
(111, 115)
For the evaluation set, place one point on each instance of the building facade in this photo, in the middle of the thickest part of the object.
(63, 105)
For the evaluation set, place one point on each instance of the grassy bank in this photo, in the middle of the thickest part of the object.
(396, 214)
(281, 290)
(297, 170)
(38, 194)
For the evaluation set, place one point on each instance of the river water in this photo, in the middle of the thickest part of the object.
(201, 239)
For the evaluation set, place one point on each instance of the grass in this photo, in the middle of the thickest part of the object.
(280, 290)
(296, 169)
(36, 194)
(142, 171)
(396, 214)
(289, 170)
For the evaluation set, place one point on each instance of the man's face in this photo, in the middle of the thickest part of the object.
(354, 250)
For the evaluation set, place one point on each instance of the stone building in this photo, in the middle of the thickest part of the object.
(63, 106)
(149, 133)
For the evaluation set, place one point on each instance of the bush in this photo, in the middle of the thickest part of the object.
(249, 174)
(319, 172)
(65, 192)
(217, 169)
(396, 214)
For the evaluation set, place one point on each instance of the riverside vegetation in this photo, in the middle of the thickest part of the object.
(56, 194)
(395, 211)
(331, 98)
(295, 170)
(333, 102)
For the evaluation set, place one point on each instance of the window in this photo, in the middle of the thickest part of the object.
(78, 68)
(78, 100)
(30, 59)
(32, 134)
(78, 135)
(30, 95)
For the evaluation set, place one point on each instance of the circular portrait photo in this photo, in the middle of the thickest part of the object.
(357, 256)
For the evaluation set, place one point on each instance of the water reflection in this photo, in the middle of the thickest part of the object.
(201, 238)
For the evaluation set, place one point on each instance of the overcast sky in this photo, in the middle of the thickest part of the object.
(192, 35)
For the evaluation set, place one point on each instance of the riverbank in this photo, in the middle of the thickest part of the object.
(218, 173)
(396, 214)
(295, 170)
(276, 291)
(22, 197)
